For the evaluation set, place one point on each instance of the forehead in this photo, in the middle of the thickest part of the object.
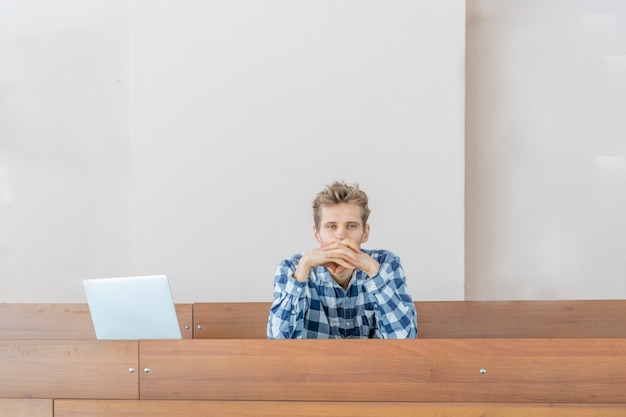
(341, 213)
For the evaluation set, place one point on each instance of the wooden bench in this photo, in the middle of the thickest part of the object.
(447, 319)
(64, 321)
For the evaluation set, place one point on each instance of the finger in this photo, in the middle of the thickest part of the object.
(342, 253)
(333, 243)
(347, 248)
(351, 244)
(343, 263)
(317, 257)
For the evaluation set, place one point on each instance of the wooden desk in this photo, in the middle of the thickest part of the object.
(522, 319)
(297, 378)
(447, 319)
(540, 358)
(436, 319)
(64, 321)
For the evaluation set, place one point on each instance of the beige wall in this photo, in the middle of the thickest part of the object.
(545, 143)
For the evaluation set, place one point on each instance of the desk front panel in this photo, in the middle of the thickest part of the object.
(69, 369)
(19, 407)
(157, 408)
(435, 370)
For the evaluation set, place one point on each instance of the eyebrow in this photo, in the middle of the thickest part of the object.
(348, 222)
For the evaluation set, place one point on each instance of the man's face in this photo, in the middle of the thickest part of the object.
(340, 221)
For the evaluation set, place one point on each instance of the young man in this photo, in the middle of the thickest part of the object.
(340, 290)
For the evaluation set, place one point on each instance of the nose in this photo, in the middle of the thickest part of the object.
(340, 233)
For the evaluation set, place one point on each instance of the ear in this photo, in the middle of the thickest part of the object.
(316, 235)
(366, 235)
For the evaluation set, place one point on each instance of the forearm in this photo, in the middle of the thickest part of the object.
(394, 309)
(301, 274)
(284, 323)
(286, 318)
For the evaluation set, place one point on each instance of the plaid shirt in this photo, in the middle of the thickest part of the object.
(377, 307)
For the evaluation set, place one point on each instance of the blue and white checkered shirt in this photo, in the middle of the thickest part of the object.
(376, 307)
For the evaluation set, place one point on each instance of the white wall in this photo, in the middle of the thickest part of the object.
(244, 110)
(240, 111)
(65, 154)
(546, 141)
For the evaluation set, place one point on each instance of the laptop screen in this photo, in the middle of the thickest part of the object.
(132, 308)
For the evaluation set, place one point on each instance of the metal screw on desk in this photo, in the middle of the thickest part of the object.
(199, 327)
(131, 370)
(146, 370)
(483, 371)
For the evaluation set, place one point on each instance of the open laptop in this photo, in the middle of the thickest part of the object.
(132, 308)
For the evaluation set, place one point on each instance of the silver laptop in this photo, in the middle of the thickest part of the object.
(132, 308)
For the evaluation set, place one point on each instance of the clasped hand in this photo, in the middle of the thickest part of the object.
(339, 255)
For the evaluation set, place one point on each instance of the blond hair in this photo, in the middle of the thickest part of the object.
(340, 192)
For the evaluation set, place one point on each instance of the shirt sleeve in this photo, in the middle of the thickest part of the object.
(286, 319)
(393, 306)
